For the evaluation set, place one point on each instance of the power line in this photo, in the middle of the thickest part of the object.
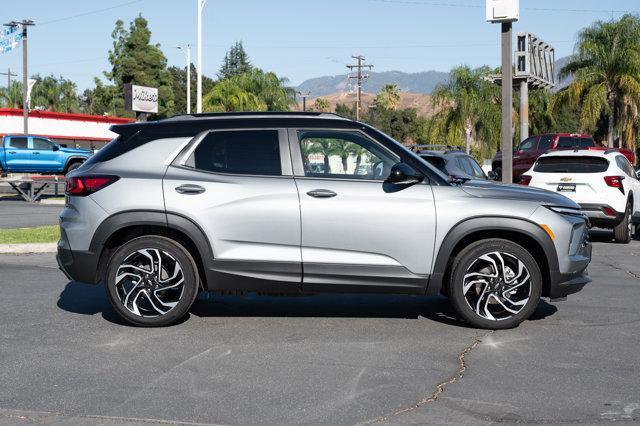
(477, 6)
(92, 12)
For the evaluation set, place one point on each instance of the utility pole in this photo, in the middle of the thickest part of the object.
(201, 4)
(359, 77)
(187, 50)
(507, 101)
(9, 74)
(304, 95)
(524, 109)
(25, 23)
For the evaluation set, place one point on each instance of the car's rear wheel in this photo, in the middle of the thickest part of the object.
(624, 231)
(71, 167)
(151, 281)
(495, 284)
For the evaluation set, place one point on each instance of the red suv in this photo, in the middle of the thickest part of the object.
(531, 148)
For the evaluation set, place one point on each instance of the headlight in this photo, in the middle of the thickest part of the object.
(566, 210)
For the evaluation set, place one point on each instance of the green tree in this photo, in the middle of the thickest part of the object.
(236, 62)
(606, 78)
(388, 97)
(103, 99)
(321, 105)
(54, 94)
(134, 60)
(11, 97)
(255, 90)
(179, 87)
(468, 104)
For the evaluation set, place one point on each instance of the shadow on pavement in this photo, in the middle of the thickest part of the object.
(88, 299)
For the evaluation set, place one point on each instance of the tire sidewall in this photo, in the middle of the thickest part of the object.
(187, 264)
(467, 256)
(622, 234)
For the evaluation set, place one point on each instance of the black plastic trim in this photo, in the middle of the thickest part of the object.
(490, 223)
(254, 276)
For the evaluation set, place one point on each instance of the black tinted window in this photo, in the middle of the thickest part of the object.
(528, 144)
(545, 142)
(437, 162)
(571, 165)
(255, 152)
(18, 143)
(624, 164)
(569, 142)
(42, 144)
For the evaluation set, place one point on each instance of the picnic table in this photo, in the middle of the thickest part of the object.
(32, 187)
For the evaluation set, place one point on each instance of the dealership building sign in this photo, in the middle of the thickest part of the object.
(140, 98)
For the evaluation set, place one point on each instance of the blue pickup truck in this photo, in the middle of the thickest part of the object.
(36, 154)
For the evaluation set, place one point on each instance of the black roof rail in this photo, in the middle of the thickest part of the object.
(206, 115)
(416, 148)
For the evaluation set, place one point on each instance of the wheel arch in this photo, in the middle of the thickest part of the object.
(74, 159)
(521, 231)
(121, 227)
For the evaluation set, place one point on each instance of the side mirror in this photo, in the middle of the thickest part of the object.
(56, 148)
(404, 174)
(638, 173)
(492, 175)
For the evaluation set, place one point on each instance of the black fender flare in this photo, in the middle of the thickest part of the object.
(74, 158)
(170, 221)
(486, 224)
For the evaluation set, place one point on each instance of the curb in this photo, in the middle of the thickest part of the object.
(28, 248)
(45, 201)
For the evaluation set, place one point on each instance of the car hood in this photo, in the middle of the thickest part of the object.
(485, 189)
(75, 151)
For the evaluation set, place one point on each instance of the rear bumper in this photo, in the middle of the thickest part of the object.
(597, 216)
(78, 266)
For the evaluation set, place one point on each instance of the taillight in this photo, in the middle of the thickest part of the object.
(81, 186)
(525, 179)
(615, 182)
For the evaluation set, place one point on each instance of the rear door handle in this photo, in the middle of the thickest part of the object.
(190, 189)
(321, 193)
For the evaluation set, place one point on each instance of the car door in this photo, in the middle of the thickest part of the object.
(237, 186)
(43, 155)
(359, 232)
(525, 156)
(17, 153)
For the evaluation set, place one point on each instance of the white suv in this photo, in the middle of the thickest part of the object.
(603, 183)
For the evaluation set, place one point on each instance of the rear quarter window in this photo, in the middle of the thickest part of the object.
(571, 165)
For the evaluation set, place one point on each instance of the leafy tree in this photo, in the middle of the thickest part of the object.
(179, 87)
(255, 90)
(388, 97)
(468, 103)
(236, 62)
(321, 105)
(54, 94)
(346, 111)
(11, 97)
(102, 100)
(606, 71)
(134, 60)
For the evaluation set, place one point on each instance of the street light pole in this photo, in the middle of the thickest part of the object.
(201, 4)
(187, 49)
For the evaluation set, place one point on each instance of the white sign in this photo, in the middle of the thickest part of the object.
(10, 38)
(141, 98)
(503, 10)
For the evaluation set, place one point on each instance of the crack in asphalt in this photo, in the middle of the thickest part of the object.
(440, 387)
(614, 266)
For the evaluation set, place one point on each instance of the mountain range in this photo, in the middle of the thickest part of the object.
(420, 82)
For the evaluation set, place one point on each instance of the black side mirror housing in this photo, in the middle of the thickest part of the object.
(56, 148)
(404, 174)
(492, 175)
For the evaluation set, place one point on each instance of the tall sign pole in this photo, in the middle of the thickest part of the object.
(187, 50)
(201, 4)
(506, 138)
(505, 12)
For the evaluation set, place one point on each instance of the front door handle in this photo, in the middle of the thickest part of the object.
(190, 189)
(12, 152)
(36, 153)
(321, 193)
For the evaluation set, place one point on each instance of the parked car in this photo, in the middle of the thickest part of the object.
(36, 154)
(603, 182)
(225, 203)
(528, 151)
(452, 161)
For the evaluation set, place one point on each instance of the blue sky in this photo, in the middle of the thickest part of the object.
(298, 39)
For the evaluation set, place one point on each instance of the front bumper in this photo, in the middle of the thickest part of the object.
(563, 284)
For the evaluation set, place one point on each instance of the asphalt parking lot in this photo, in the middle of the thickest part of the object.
(334, 359)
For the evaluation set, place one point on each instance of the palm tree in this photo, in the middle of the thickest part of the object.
(606, 72)
(11, 97)
(467, 108)
(321, 105)
(388, 97)
(228, 96)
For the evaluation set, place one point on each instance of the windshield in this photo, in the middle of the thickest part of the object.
(436, 162)
(571, 164)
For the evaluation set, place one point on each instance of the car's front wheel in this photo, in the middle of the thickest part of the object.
(151, 281)
(495, 284)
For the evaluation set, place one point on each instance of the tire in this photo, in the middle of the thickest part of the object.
(492, 307)
(151, 299)
(71, 167)
(499, 173)
(624, 231)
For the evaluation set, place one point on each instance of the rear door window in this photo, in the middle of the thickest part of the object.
(528, 144)
(571, 164)
(19, 143)
(250, 152)
(624, 164)
(545, 142)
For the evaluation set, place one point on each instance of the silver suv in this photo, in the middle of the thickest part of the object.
(302, 203)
